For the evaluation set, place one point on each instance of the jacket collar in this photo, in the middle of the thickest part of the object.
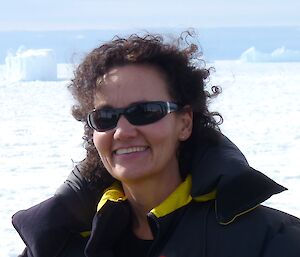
(220, 172)
(239, 188)
(180, 197)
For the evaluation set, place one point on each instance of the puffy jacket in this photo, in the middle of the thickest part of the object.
(215, 212)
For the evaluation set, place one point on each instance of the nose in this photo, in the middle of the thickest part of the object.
(124, 129)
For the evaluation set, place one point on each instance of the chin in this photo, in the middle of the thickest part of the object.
(130, 175)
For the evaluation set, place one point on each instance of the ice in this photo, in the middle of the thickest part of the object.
(278, 55)
(31, 64)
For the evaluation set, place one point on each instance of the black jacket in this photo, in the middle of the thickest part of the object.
(215, 213)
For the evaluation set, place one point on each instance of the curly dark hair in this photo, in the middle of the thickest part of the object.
(186, 80)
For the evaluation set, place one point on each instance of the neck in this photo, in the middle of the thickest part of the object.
(144, 195)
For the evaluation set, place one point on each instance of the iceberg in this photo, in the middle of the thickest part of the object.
(278, 55)
(31, 64)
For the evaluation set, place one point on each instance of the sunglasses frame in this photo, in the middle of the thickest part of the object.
(166, 107)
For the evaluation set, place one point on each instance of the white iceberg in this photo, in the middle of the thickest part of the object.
(31, 64)
(278, 55)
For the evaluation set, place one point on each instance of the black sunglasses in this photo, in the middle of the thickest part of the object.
(106, 118)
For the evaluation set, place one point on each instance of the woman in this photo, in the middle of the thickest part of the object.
(159, 178)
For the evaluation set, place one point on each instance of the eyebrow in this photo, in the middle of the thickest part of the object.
(106, 106)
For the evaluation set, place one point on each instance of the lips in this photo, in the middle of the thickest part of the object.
(129, 150)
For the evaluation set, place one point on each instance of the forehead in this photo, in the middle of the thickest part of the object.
(128, 84)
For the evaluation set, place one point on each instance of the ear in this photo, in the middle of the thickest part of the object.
(186, 123)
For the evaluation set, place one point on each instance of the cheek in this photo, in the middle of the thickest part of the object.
(102, 143)
(165, 136)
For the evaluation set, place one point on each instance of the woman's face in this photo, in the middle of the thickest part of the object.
(132, 153)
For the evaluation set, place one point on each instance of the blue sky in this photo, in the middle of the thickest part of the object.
(97, 14)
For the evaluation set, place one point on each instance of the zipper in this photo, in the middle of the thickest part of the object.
(154, 225)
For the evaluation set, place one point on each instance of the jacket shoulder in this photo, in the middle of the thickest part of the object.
(53, 226)
(80, 196)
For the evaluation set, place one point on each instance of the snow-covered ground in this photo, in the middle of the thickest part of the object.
(39, 139)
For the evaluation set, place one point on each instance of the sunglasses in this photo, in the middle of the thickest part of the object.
(106, 118)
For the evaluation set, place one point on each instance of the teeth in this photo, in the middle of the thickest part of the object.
(131, 150)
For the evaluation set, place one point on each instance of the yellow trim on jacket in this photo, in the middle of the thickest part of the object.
(179, 198)
(113, 193)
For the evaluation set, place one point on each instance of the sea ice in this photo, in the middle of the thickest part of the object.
(31, 64)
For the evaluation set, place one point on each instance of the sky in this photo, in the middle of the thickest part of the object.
(116, 14)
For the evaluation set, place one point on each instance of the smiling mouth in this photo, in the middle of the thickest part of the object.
(130, 150)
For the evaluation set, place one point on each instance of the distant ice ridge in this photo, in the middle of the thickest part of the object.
(31, 64)
(278, 55)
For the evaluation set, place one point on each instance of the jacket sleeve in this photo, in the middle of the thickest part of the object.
(285, 243)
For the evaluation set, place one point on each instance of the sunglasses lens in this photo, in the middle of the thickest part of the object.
(102, 120)
(145, 113)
